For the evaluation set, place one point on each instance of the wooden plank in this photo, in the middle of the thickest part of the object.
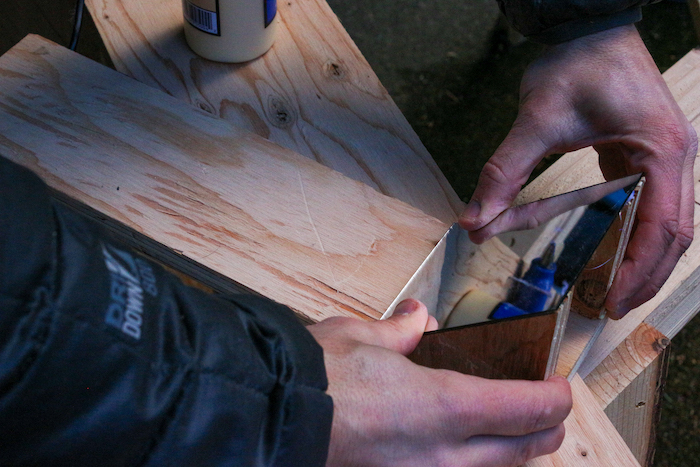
(246, 208)
(635, 413)
(313, 92)
(628, 385)
(591, 439)
(625, 363)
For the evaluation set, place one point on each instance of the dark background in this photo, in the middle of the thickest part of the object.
(453, 68)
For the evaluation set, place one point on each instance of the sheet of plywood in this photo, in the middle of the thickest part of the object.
(241, 206)
(313, 92)
(352, 125)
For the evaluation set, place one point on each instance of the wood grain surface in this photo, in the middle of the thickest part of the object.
(591, 439)
(313, 92)
(628, 385)
(252, 211)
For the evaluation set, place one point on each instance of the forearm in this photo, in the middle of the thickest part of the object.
(556, 21)
(107, 357)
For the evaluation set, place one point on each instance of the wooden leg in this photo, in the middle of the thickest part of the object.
(629, 386)
(635, 412)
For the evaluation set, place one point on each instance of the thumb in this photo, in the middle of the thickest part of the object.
(502, 177)
(404, 329)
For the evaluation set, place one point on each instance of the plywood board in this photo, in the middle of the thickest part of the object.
(241, 206)
(313, 92)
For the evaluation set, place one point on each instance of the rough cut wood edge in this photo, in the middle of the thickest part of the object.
(152, 163)
(591, 439)
(625, 363)
(313, 93)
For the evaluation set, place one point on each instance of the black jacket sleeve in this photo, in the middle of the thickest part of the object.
(105, 359)
(556, 21)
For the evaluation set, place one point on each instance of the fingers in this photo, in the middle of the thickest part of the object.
(664, 231)
(400, 333)
(503, 176)
(507, 450)
(506, 408)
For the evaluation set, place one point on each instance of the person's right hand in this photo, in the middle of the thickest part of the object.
(390, 411)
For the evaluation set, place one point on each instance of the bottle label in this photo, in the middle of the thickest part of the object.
(203, 15)
(270, 11)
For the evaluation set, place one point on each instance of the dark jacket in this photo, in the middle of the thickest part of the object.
(556, 21)
(105, 359)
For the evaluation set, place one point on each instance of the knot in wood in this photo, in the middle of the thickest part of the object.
(334, 69)
(205, 107)
(660, 344)
(280, 113)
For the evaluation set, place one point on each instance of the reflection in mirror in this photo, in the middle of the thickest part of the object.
(520, 272)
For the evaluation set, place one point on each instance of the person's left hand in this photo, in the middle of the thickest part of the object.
(605, 91)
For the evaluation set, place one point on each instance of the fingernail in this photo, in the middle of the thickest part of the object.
(619, 311)
(471, 212)
(406, 307)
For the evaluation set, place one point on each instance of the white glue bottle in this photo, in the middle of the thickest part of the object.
(231, 31)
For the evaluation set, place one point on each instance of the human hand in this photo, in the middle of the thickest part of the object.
(605, 91)
(390, 411)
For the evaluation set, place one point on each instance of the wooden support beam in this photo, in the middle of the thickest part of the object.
(591, 439)
(628, 385)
